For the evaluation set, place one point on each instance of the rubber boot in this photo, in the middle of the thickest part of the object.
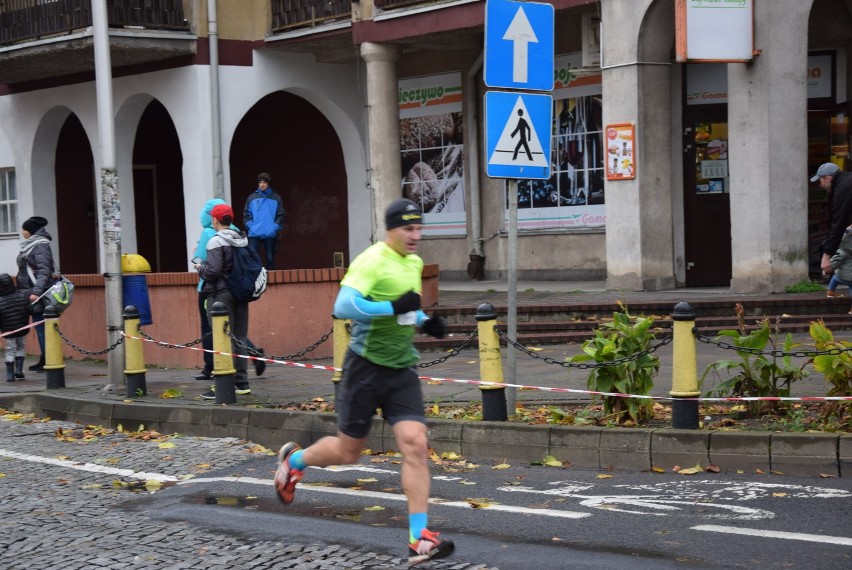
(38, 366)
(10, 372)
(19, 368)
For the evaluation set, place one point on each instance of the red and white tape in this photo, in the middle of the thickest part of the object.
(29, 326)
(526, 387)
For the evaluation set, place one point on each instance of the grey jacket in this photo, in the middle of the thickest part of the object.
(841, 261)
(39, 259)
(220, 259)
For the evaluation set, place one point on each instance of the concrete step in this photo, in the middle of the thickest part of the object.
(577, 330)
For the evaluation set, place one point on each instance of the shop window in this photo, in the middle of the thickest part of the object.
(8, 202)
(573, 196)
(432, 145)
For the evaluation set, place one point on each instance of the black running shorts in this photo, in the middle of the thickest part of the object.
(366, 387)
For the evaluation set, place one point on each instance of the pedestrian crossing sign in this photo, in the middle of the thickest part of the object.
(518, 130)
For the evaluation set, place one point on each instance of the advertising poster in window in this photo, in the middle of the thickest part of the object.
(432, 145)
(573, 197)
(620, 154)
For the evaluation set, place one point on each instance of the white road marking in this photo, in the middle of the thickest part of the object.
(91, 467)
(393, 497)
(843, 541)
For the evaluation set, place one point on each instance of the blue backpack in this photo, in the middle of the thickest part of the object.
(247, 280)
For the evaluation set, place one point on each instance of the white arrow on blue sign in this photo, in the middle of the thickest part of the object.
(518, 131)
(519, 45)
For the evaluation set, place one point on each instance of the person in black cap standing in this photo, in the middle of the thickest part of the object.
(264, 219)
(381, 294)
(35, 273)
(839, 184)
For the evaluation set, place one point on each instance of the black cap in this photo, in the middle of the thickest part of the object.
(34, 224)
(402, 212)
(264, 177)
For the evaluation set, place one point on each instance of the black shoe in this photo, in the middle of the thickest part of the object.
(242, 390)
(208, 395)
(259, 365)
(38, 366)
(204, 375)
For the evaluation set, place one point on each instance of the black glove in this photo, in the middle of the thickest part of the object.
(408, 302)
(435, 327)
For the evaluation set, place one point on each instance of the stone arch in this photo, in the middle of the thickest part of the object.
(288, 136)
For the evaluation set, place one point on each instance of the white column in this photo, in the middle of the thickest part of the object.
(636, 66)
(383, 129)
(767, 151)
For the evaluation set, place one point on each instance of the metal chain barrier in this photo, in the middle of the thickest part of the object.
(450, 354)
(170, 345)
(89, 352)
(254, 352)
(566, 364)
(775, 353)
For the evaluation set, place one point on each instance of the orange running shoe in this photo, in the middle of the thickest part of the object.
(286, 478)
(429, 547)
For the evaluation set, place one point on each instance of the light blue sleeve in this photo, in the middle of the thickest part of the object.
(351, 304)
(421, 317)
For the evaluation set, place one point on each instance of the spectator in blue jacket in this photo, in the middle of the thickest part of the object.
(264, 218)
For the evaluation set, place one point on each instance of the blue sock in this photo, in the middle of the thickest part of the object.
(416, 523)
(295, 460)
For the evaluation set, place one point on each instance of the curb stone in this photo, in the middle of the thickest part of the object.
(632, 449)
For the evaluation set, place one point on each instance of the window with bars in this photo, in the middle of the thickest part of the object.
(8, 202)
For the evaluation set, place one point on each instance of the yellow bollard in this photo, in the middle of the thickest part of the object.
(54, 364)
(684, 368)
(223, 366)
(490, 365)
(341, 335)
(134, 357)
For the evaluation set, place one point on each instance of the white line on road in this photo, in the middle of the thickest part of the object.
(92, 467)
(395, 497)
(775, 534)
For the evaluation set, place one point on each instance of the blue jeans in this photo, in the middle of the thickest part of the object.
(270, 245)
(835, 281)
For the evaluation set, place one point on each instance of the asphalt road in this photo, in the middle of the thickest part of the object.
(76, 498)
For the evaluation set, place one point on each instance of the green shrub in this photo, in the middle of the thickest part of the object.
(804, 287)
(624, 337)
(836, 367)
(755, 375)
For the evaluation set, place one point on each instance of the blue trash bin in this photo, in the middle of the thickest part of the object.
(134, 287)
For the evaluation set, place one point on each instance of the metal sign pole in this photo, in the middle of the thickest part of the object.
(512, 290)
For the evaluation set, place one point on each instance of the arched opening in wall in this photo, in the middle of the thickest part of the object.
(287, 137)
(158, 191)
(76, 199)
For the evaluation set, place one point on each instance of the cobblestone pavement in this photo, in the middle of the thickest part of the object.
(64, 510)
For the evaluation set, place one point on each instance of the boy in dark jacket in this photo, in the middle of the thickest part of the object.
(264, 218)
(14, 315)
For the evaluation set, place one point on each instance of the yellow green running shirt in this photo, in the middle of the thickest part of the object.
(381, 274)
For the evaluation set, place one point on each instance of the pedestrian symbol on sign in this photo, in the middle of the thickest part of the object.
(519, 135)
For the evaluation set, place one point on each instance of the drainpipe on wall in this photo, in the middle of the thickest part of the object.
(476, 267)
(215, 123)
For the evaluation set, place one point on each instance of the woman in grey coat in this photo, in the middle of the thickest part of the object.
(35, 273)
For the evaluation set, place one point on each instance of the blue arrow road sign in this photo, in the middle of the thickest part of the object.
(519, 45)
(518, 129)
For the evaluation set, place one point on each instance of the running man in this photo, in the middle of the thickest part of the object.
(381, 294)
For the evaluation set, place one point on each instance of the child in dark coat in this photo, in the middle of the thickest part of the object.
(15, 312)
